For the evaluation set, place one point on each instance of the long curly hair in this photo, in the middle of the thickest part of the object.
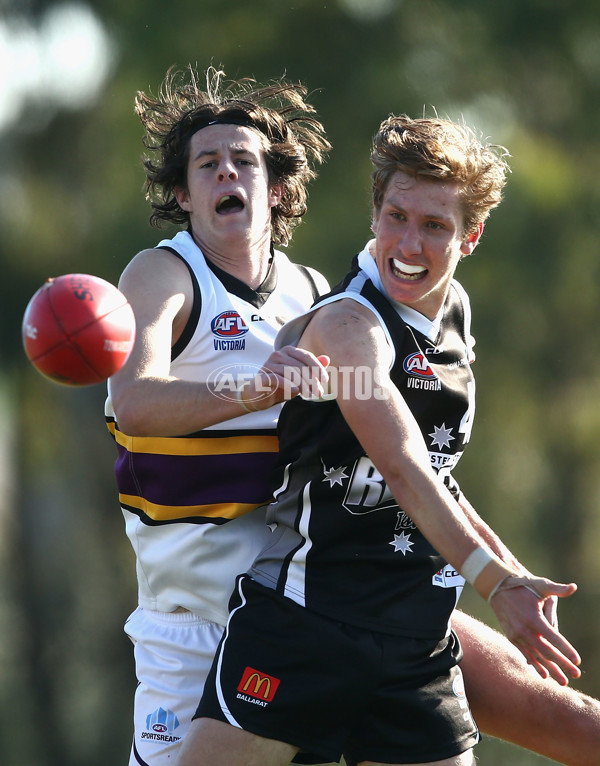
(444, 150)
(294, 139)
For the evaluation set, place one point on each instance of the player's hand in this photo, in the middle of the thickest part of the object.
(550, 603)
(551, 610)
(526, 619)
(288, 372)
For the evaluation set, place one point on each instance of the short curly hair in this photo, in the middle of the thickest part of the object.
(294, 140)
(444, 150)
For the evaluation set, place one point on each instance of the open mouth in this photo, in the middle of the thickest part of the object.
(229, 203)
(407, 271)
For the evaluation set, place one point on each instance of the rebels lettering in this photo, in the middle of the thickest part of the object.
(367, 490)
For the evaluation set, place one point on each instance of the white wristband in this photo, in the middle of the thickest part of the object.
(496, 588)
(474, 564)
(515, 581)
(240, 399)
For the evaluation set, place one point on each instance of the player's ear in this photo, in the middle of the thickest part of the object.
(471, 241)
(275, 195)
(375, 220)
(183, 198)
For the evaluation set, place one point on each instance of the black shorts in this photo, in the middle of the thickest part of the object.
(287, 673)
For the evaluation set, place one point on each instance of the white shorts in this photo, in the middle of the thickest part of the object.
(173, 653)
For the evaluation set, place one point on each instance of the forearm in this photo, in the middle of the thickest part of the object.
(151, 405)
(442, 520)
(170, 407)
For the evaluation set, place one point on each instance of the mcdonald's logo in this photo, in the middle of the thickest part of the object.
(258, 685)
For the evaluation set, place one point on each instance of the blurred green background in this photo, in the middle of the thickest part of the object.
(526, 73)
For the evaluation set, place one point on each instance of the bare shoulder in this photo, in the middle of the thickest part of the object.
(345, 313)
(347, 331)
(154, 268)
(159, 288)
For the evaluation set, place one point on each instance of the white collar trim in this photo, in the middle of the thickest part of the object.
(427, 327)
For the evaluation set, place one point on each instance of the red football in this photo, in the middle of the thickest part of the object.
(78, 329)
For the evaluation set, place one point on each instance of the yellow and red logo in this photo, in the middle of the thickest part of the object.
(259, 685)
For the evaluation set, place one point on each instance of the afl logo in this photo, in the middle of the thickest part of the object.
(159, 727)
(228, 324)
(417, 364)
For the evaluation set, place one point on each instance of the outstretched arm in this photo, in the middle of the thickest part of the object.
(146, 398)
(351, 336)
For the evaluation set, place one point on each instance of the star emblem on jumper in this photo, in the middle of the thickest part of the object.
(335, 475)
(402, 543)
(441, 436)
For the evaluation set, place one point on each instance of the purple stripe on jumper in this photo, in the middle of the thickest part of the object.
(195, 479)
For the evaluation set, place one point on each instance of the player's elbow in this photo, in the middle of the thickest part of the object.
(131, 414)
(129, 421)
